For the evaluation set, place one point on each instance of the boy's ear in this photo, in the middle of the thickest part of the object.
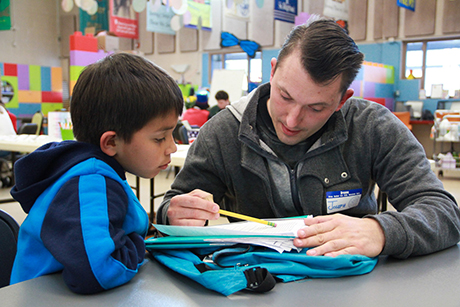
(108, 143)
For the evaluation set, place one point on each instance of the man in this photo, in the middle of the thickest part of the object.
(300, 146)
(222, 102)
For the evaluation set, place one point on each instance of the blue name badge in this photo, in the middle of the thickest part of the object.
(342, 200)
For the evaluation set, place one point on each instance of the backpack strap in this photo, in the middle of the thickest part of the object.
(259, 279)
(234, 250)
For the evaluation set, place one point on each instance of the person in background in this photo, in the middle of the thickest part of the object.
(6, 121)
(83, 217)
(198, 114)
(6, 125)
(13, 117)
(300, 145)
(222, 102)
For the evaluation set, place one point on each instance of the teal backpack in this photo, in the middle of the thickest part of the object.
(228, 269)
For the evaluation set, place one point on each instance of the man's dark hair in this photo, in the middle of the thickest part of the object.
(121, 93)
(221, 95)
(326, 51)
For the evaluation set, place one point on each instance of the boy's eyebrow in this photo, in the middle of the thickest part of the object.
(167, 128)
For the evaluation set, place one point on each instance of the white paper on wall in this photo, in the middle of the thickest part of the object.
(230, 81)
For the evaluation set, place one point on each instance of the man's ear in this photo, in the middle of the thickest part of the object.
(108, 143)
(345, 97)
(273, 62)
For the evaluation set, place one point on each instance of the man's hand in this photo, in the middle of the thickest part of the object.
(192, 209)
(337, 234)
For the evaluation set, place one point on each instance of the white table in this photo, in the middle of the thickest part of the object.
(24, 142)
(28, 143)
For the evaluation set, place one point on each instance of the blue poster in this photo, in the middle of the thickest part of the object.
(99, 21)
(160, 21)
(408, 4)
(286, 10)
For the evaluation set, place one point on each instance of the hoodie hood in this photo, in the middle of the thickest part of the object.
(35, 172)
(239, 107)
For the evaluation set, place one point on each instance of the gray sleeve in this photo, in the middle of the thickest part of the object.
(427, 217)
(200, 171)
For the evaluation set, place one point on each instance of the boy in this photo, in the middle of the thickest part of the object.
(222, 102)
(84, 219)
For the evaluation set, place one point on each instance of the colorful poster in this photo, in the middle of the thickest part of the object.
(285, 10)
(337, 9)
(123, 20)
(5, 19)
(407, 4)
(200, 15)
(99, 20)
(160, 21)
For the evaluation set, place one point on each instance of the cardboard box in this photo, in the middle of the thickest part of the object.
(108, 43)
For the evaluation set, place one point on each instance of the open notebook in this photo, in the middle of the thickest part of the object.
(279, 238)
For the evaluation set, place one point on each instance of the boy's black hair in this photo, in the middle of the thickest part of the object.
(326, 51)
(121, 93)
(221, 95)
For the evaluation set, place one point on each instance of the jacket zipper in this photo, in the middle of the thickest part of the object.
(295, 191)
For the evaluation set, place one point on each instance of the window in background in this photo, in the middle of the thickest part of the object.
(434, 62)
(240, 61)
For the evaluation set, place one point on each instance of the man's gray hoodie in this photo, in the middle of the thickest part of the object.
(362, 144)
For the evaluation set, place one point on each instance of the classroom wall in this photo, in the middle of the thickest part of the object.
(40, 26)
(34, 37)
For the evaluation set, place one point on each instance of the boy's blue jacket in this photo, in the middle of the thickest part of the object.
(83, 218)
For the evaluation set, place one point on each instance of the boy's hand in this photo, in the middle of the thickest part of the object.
(337, 234)
(192, 209)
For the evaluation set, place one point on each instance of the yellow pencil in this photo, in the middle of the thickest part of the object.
(246, 218)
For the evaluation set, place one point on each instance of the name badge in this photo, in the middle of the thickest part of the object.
(342, 200)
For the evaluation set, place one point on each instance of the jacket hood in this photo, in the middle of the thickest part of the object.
(238, 107)
(35, 172)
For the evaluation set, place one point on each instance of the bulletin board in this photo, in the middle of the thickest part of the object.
(262, 22)
(165, 43)
(188, 39)
(422, 21)
(357, 22)
(230, 81)
(450, 22)
(211, 39)
(386, 20)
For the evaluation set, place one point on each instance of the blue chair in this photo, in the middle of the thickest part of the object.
(9, 230)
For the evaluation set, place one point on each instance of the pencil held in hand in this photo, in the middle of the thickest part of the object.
(241, 216)
(246, 218)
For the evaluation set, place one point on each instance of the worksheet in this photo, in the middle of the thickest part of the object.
(284, 228)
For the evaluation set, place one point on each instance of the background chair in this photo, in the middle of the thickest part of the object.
(7, 162)
(9, 230)
(6, 172)
(28, 128)
(37, 118)
(404, 117)
(183, 137)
